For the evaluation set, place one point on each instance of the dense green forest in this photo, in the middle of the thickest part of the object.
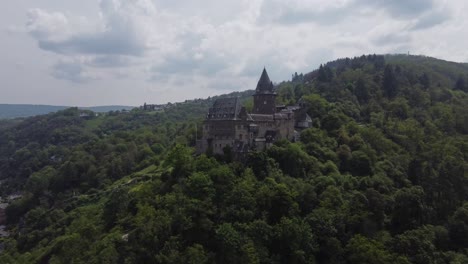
(381, 177)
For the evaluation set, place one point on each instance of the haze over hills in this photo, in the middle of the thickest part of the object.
(451, 69)
(25, 110)
(380, 177)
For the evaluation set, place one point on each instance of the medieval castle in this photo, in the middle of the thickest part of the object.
(229, 125)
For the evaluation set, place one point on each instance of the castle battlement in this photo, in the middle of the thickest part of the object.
(229, 125)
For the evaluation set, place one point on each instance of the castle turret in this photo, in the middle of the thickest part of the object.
(264, 97)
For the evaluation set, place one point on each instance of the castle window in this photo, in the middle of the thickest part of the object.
(264, 102)
(240, 136)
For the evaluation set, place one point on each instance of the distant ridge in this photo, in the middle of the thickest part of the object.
(26, 110)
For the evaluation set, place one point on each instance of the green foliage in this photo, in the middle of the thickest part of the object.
(389, 82)
(379, 178)
(180, 160)
(292, 159)
(458, 227)
(460, 84)
(369, 251)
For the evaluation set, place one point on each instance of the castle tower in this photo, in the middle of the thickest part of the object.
(264, 97)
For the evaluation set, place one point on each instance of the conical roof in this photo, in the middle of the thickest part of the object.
(264, 84)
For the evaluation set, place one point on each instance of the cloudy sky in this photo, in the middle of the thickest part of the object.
(127, 52)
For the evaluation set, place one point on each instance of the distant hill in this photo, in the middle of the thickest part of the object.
(26, 110)
(107, 108)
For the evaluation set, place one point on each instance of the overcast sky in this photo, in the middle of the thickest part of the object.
(127, 52)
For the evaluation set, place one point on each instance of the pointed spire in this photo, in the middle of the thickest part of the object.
(264, 84)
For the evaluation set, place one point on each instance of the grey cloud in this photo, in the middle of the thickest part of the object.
(69, 71)
(189, 59)
(283, 12)
(185, 61)
(392, 39)
(253, 68)
(273, 62)
(13, 30)
(425, 12)
(120, 75)
(113, 43)
(215, 11)
(110, 61)
(327, 17)
(44, 25)
(279, 71)
(431, 19)
(276, 72)
(186, 67)
(176, 65)
(403, 8)
(207, 63)
(401, 49)
(120, 35)
(227, 85)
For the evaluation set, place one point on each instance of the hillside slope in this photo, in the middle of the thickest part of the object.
(380, 178)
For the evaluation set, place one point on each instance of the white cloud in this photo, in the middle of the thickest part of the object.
(119, 31)
(202, 47)
(47, 26)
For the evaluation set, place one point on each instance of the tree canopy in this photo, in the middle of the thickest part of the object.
(380, 177)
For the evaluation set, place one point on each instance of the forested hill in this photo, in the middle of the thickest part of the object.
(380, 178)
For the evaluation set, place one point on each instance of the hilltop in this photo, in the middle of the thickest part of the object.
(381, 177)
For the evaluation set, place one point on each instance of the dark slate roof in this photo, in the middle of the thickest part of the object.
(303, 117)
(225, 108)
(264, 85)
(307, 118)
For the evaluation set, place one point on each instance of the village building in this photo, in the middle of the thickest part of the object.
(228, 125)
(152, 107)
